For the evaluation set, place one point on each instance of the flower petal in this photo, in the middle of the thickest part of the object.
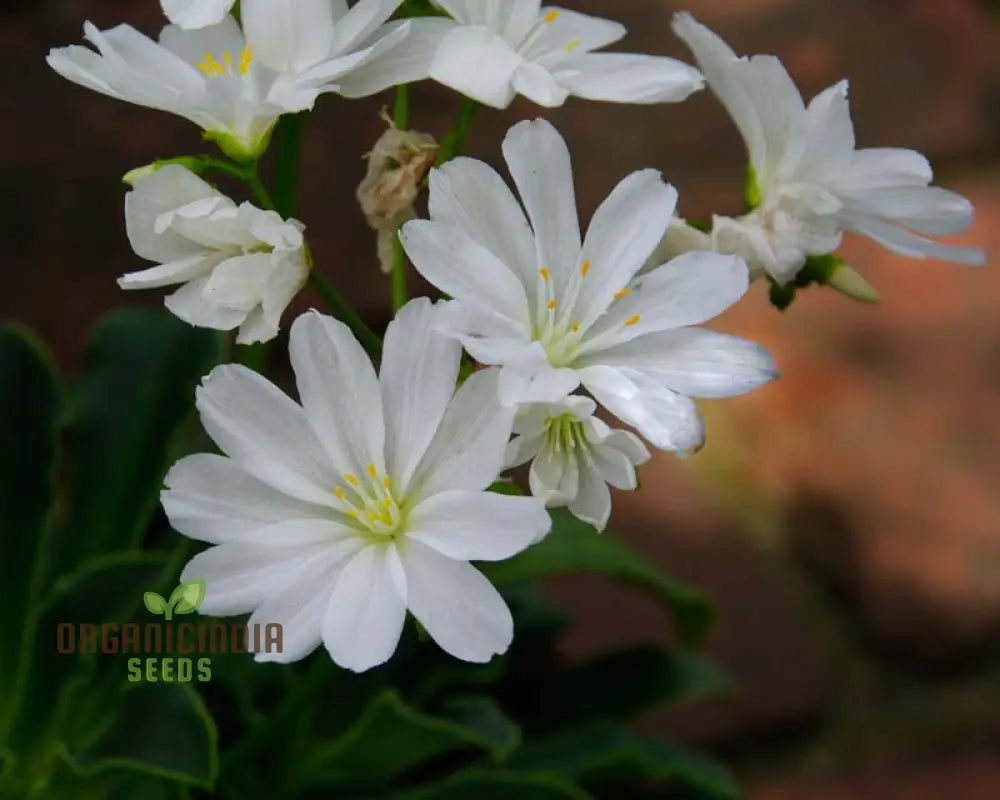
(627, 78)
(906, 243)
(478, 526)
(554, 477)
(418, 376)
(196, 13)
(288, 36)
(476, 63)
(364, 618)
(457, 605)
(592, 503)
(539, 85)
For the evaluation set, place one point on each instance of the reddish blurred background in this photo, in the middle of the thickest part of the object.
(847, 517)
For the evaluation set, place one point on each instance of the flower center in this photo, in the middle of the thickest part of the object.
(213, 67)
(369, 502)
(566, 434)
(555, 327)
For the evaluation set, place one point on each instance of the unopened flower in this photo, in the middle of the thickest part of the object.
(808, 182)
(239, 266)
(192, 14)
(574, 456)
(235, 83)
(337, 516)
(500, 50)
(553, 312)
(397, 168)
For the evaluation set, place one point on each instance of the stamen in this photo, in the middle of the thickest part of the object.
(339, 493)
(585, 268)
(215, 65)
(246, 60)
(227, 59)
(623, 293)
(387, 483)
(633, 320)
(552, 15)
(552, 305)
(574, 44)
(546, 275)
(352, 513)
(206, 69)
(372, 471)
(575, 326)
(352, 479)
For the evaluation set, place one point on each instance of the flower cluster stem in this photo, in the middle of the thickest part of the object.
(454, 143)
(399, 293)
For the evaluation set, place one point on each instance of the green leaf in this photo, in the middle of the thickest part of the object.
(159, 729)
(141, 369)
(108, 589)
(392, 737)
(482, 714)
(186, 598)
(30, 412)
(626, 683)
(154, 603)
(610, 759)
(495, 784)
(574, 546)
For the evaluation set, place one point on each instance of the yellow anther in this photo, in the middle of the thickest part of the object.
(634, 319)
(575, 326)
(551, 16)
(388, 502)
(373, 517)
(246, 60)
(352, 479)
(206, 69)
(387, 482)
(546, 275)
(372, 471)
(552, 305)
(339, 492)
(352, 513)
(227, 59)
(574, 44)
(585, 268)
(622, 293)
(215, 65)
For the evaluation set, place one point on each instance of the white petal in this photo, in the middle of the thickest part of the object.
(418, 376)
(240, 576)
(614, 467)
(543, 384)
(238, 282)
(539, 85)
(593, 501)
(301, 607)
(554, 477)
(174, 272)
(667, 419)
(363, 20)
(258, 426)
(696, 362)
(691, 289)
(925, 209)
(539, 162)
(905, 243)
(364, 619)
(288, 36)
(457, 606)
(465, 270)
(395, 61)
(190, 304)
(625, 230)
(470, 195)
(476, 63)
(568, 32)
(211, 498)
(523, 448)
(339, 392)
(478, 526)
(196, 13)
(630, 445)
(828, 144)
(468, 450)
(884, 167)
(626, 78)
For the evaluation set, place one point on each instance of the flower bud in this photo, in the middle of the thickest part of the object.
(849, 282)
(193, 163)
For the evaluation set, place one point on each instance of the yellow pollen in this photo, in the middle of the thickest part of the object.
(245, 61)
(387, 482)
(206, 69)
(227, 59)
(388, 502)
(551, 16)
(214, 65)
(574, 44)
(552, 304)
(622, 293)
(339, 492)
(585, 268)
(352, 513)
(373, 517)
(352, 479)
(372, 471)
(634, 319)
(575, 326)
(546, 275)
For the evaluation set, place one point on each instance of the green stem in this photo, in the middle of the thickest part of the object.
(401, 119)
(454, 142)
(346, 314)
(288, 144)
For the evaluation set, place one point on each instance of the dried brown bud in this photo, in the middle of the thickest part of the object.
(397, 168)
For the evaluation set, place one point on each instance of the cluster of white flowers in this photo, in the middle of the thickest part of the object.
(369, 497)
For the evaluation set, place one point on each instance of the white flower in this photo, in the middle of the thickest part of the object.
(502, 49)
(574, 456)
(239, 266)
(196, 13)
(236, 85)
(809, 183)
(555, 313)
(336, 516)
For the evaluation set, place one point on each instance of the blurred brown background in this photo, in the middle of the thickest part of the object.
(847, 517)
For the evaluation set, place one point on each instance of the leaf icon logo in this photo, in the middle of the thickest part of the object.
(185, 599)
